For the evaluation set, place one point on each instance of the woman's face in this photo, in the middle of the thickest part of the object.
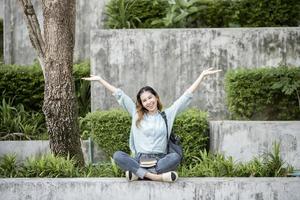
(149, 101)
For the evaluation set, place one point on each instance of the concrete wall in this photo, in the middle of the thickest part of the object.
(2, 9)
(17, 46)
(244, 140)
(185, 188)
(170, 60)
(24, 149)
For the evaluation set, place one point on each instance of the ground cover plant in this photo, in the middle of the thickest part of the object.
(201, 13)
(22, 93)
(206, 165)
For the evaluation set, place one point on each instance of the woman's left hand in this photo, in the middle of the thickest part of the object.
(210, 71)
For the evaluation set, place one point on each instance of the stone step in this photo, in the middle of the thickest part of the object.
(119, 188)
(244, 140)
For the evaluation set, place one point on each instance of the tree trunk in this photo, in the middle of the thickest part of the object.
(60, 105)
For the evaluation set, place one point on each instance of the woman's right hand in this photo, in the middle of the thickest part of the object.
(92, 78)
(102, 81)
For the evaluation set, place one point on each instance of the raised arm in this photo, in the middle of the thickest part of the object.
(108, 86)
(205, 73)
(124, 100)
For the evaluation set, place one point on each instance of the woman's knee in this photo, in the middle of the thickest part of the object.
(175, 157)
(118, 155)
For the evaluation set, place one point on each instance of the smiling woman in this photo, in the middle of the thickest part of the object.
(150, 131)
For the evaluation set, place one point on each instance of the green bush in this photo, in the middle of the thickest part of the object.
(217, 165)
(200, 13)
(104, 169)
(205, 165)
(204, 13)
(9, 168)
(53, 167)
(264, 94)
(110, 131)
(18, 124)
(50, 166)
(192, 127)
(134, 13)
(257, 13)
(25, 85)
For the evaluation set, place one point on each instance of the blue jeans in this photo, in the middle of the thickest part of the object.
(165, 163)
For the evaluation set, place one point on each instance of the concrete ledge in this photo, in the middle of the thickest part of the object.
(27, 148)
(119, 188)
(244, 140)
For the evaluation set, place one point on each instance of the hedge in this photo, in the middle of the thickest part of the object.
(202, 13)
(264, 94)
(110, 131)
(134, 14)
(25, 85)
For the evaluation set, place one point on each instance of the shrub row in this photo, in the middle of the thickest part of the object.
(54, 167)
(110, 130)
(25, 85)
(201, 13)
(207, 165)
(18, 124)
(270, 164)
(264, 94)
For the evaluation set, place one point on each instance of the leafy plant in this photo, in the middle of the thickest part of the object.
(134, 13)
(28, 83)
(16, 123)
(9, 167)
(263, 94)
(110, 131)
(50, 166)
(274, 163)
(202, 13)
(217, 165)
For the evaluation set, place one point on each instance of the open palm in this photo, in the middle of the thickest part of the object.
(210, 71)
(92, 78)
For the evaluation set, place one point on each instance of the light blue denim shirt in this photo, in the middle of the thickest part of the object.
(150, 137)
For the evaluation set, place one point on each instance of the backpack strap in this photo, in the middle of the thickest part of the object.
(163, 114)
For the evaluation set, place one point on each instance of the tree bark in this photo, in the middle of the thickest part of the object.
(60, 105)
(55, 53)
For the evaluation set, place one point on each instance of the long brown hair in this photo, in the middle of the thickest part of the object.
(139, 106)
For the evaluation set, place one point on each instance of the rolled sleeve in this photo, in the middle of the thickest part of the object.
(125, 101)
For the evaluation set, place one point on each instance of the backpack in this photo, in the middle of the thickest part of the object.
(173, 144)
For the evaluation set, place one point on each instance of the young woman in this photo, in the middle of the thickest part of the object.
(148, 139)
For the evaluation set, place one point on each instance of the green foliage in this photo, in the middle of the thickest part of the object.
(199, 13)
(192, 127)
(210, 165)
(204, 165)
(134, 13)
(110, 131)
(203, 13)
(16, 123)
(50, 166)
(83, 88)
(9, 167)
(25, 85)
(264, 94)
(257, 13)
(104, 169)
(53, 167)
